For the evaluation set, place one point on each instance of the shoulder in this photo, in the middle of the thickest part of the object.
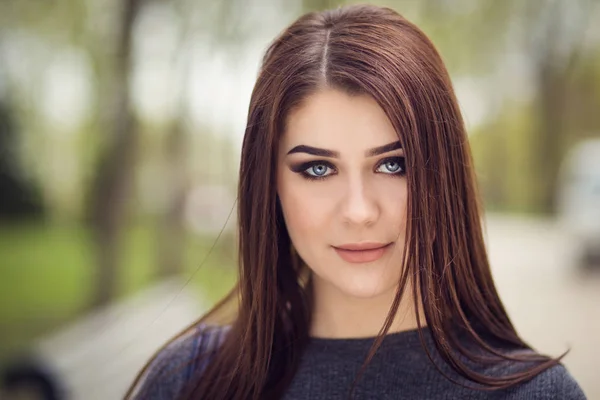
(554, 383)
(173, 366)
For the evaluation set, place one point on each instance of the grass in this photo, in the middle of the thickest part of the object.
(46, 274)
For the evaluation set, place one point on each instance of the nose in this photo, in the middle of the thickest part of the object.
(359, 204)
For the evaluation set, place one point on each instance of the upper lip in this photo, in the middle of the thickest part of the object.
(361, 246)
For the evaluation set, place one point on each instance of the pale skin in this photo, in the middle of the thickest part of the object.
(358, 195)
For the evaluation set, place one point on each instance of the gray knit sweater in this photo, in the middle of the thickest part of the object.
(399, 370)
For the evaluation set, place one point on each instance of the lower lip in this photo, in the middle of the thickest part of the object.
(361, 256)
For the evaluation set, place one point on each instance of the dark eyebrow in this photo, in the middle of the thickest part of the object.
(386, 148)
(315, 151)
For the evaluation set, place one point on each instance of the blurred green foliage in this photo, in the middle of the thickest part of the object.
(47, 274)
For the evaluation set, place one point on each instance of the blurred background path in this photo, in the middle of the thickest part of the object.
(554, 304)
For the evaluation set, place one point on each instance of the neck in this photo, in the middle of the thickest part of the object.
(337, 315)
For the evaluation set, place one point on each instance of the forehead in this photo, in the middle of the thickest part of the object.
(335, 120)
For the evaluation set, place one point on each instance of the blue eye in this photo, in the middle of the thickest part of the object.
(317, 170)
(392, 166)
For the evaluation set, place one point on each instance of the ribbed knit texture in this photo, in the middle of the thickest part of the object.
(399, 370)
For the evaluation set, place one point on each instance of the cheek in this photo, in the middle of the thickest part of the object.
(305, 212)
(393, 200)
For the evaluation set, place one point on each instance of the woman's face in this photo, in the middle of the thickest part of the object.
(343, 192)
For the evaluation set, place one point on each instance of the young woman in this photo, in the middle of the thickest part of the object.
(362, 267)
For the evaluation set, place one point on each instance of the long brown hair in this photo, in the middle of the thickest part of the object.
(376, 52)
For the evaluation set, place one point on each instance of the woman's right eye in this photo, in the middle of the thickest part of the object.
(318, 171)
(315, 170)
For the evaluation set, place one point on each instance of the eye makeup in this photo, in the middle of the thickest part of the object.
(304, 168)
(322, 169)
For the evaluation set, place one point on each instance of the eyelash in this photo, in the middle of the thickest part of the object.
(301, 168)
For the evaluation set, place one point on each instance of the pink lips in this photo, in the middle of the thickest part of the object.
(361, 252)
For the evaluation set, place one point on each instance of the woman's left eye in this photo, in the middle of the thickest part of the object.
(392, 166)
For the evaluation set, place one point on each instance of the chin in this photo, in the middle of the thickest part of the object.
(364, 284)
(366, 291)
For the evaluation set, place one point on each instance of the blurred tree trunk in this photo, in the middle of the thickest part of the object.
(112, 184)
(548, 149)
(171, 234)
(171, 231)
(20, 200)
(553, 72)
